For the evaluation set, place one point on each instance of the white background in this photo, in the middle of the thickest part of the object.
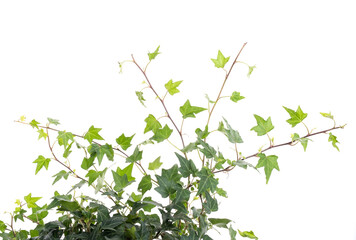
(59, 59)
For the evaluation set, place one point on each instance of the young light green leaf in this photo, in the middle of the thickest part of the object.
(136, 156)
(145, 184)
(93, 133)
(53, 121)
(247, 234)
(124, 142)
(332, 138)
(209, 100)
(250, 70)
(162, 134)
(59, 175)
(155, 164)
(41, 162)
(188, 110)
(269, 163)
(64, 137)
(34, 124)
(221, 192)
(126, 171)
(235, 97)
(42, 134)
(31, 201)
(152, 124)
(172, 87)
(67, 150)
(303, 141)
(2, 226)
(327, 115)
(153, 55)
(263, 126)
(140, 97)
(220, 61)
(296, 116)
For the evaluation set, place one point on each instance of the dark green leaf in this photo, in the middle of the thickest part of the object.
(188, 110)
(207, 181)
(168, 181)
(124, 142)
(153, 55)
(296, 116)
(187, 167)
(93, 133)
(220, 222)
(235, 97)
(172, 86)
(220, 61)
(120, 181)
(269, 163)
(211, 204)
(145, 184)
(263, 126)
(41, 162)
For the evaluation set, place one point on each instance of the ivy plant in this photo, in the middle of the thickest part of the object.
(160, 203)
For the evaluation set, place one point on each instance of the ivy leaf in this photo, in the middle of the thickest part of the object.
(124, 142)
(188, 110)
(172, 86)
(332, 138)
(220, 61)
(263, 126)
(168, 181)
(187, 167)
(155, 164)
(232, 233)
(61, 174)
(92, 175)
(126, 171)
(41, 162)
(250, 70)
(34, 124)
(247, 234)
(207, 181)
(31, 201)
(221, 192)
(296, 116)
(93, 133)
(136, 156)
(207, 150)
(153, 55)
(88, 162)
(2, 226)
(190, 147)
(64, 137)
(162, 134)
(211, 204)
(145, 184)
(42, 134)
(232, 135)
(220, 222)
(235, 97)
(152, 124)
(303, 141)
(53, 121)
(67, 150)
(100, 151)
(120, 181)
(140, 97)
(202, 134)
(327, 115)
(269, 163)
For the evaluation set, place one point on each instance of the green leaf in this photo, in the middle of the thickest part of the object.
(190, 147)
(92, 175)
(211, 204)
(31, 201)
(172, 87)
(187, 167)
(250, 70)
(162, 134)
(263, 126)
(152, 124)
(232, 135)
(247, 234)
(207, 181)
(209, 100)
(327, 115)
(124, 142)
(235, 97)
(67, 150)
(120, 181)
(188, 110)
(88, 162)
(332, 138)
(136, 156)
(153, 55)
(145, 184)
(168, 181)
(41, 161)
(34, 124)
(101, 150)
(220, 61)
(2, 226)
(42, 134)
(126, 171)
(269, 163)
(232, 233)
(221, 192)
(296, 116)
(64, 137)
(140, 97)
(53, 121)
(93, 133)
(59, 175)
(303, 141)
(202, 134)
(207, 150)
(220, 222)
(155, 164)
